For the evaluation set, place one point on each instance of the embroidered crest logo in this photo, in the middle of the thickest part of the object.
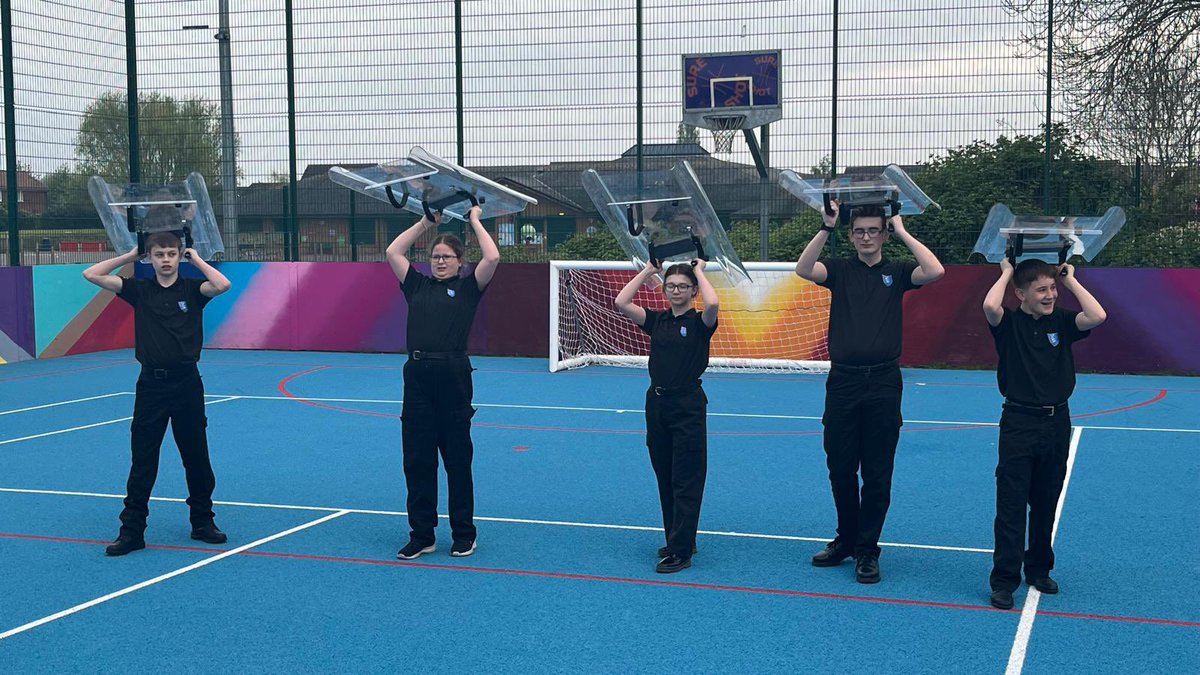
(683, 331)
(183, 306)
(887, 280)
(450, 292)
(1053, 338)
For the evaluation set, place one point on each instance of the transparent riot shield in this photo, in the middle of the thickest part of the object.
(663, 216)
(893, 189)
(424, 183)
(1053, 239)
(130, 211)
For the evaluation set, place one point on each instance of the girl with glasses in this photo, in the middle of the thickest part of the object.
(676, 407)
(436, 417)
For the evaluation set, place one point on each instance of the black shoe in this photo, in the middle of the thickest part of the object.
(462, 549)
(866, 568)
(1044, 584)
(1002, 599)
(666, 551)
(209, 534)
(832, 556)
(125, 544)
(671, 564)
(413, 550)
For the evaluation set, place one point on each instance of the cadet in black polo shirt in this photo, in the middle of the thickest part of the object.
(1036, 376)
(676, 407)
(862, 394)
(168, 327)
(437, 381)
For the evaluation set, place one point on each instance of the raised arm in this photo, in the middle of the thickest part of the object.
(712, 303)
(929, 268)
(993, 302)
(101, 273)
(215, 282)
(1091, 314)
(491, 255)
(624, 299)
(397, 251)
(807, 266)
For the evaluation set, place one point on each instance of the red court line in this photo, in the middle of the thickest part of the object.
(751, 590)
(66, 371)
(1162, 393)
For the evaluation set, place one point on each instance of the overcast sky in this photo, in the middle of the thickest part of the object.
(545, 80)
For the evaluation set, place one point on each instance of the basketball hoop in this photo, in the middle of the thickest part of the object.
(724, 129)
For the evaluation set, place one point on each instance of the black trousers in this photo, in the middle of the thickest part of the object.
(436, 417)
(1029, 476)
(677, 437)
(862, 427)
(178, 399)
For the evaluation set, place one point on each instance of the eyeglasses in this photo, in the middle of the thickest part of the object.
(442, 258)
(681, 288)
(869, 232)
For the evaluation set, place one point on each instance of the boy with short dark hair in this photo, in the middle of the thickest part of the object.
(168, 335)
(1036, 375)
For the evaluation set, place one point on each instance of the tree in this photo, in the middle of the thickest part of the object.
(968, 180)
(601, 245)
(686, 133)
(1128, 72)
(176, 137)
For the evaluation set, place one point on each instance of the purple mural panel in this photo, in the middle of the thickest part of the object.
(16, 313)
(1152, 327)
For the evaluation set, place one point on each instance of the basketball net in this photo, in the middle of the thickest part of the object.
(724, 128)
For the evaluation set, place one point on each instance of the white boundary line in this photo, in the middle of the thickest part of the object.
(169, 575)
(97, 424)
(517, 521)
(812, 418)
(1016, 657)
(52, 405)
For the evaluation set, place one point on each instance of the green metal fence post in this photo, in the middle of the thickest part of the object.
(11, 187)
(293, 251)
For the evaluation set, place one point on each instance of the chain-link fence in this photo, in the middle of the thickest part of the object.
(262, 97)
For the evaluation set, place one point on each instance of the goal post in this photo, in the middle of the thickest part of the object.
(776, 324)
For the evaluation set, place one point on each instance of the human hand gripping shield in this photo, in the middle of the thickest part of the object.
(425, 184)
(663, 217)
(893, 190)
(130, 211)
(1053, 239)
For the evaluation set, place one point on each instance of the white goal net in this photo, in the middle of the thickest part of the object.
(776, 324)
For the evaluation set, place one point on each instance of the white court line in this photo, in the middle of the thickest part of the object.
(811, 418)
(1016, 657)
(52, 405)
(169, 575)
(97, 424)
(518, 521)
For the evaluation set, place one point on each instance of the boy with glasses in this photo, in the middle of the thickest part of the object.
(862, 394)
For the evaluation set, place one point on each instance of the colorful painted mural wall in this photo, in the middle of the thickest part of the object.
(49, 311)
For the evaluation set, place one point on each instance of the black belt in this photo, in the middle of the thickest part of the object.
(1035, 410)
(418, 355)
(886, 365)
(675, 391)
(169, 373)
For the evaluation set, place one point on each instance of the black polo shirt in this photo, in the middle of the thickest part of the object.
(440, 312)
(678, 347)
(168, 322)
(866, 320)
(1036, 363)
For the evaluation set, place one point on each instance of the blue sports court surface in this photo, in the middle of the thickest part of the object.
(306, 448)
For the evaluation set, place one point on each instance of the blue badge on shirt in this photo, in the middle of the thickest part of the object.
(450, 292)
(1053, 338)
(887, 280)
(183, 305)
(683, 331)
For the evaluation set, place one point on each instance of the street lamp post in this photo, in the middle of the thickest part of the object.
(229, 212)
